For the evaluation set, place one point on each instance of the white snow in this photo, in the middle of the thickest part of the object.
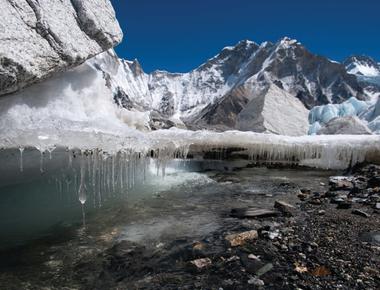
(364, 69)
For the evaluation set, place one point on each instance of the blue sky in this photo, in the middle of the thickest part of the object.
(179, 35)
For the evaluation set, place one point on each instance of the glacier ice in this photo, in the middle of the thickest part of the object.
(351, 107)
(321, 115)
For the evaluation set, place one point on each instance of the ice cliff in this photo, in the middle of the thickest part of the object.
(38, 39)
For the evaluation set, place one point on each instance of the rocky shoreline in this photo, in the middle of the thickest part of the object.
(328, 240)
(321, 233)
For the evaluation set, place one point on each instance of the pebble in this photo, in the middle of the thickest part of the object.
(201, 263)
(256, 282)
(253, 257)
(264, 269)
(302, 255)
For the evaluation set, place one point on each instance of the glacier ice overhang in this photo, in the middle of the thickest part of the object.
(323, 151)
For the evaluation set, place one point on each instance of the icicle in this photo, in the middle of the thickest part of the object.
(50, 150)
(41, 161)
(70, 164)
(83, 215)
(121, 171)
(21, 149)
(82, 192)
(93, 178)
(113, 173)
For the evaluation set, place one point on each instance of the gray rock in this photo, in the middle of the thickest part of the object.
(268, 267)
(41, 38)
(284, 207)
(256, 282)
(361, 213)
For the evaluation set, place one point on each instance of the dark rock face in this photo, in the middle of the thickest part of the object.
(122, 99)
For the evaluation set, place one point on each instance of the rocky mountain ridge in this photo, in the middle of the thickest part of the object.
(230, 90)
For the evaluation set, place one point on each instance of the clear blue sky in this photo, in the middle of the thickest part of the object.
(179, 35)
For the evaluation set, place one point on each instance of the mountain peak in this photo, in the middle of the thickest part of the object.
(287, 42)
(246, 42)
(135, 67)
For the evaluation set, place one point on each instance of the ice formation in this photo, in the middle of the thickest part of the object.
(351, 107)
(367, 111)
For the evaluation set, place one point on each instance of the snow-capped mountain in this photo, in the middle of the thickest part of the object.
(352, 116)
(237, 88)
(362, 65)
(367, 71)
